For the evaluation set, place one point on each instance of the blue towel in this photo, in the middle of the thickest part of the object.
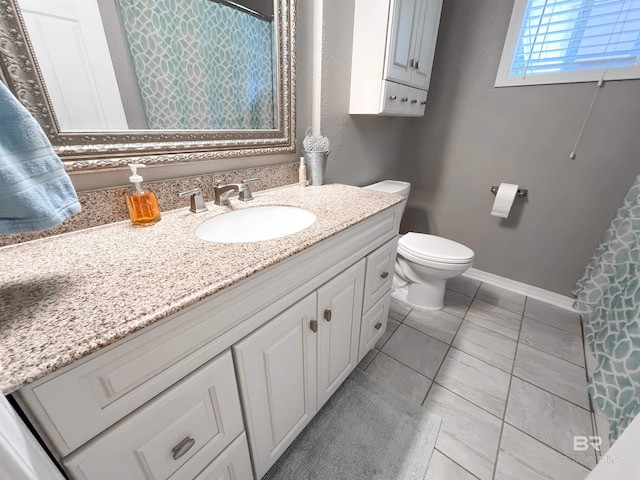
(35, 191)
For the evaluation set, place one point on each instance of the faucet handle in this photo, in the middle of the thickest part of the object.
(197, 201)
(244, 194)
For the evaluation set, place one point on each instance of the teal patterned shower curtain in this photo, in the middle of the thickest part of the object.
(200, 65)
(608, 297)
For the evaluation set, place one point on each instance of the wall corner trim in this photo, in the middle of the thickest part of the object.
(547, 296)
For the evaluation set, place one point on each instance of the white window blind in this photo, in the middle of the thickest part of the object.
(557, 41)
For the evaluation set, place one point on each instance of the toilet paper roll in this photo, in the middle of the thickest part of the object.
(504, 200)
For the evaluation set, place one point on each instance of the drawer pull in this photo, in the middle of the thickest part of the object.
(393, 97)
(314, 326)
(377, 326)
(414, 101)
(423, 103)
(405, 99)
(384, 274)
(327, 315)
(183, 447)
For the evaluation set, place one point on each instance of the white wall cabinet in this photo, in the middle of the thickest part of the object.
(291, 366)
(163, 402)
(393, 47)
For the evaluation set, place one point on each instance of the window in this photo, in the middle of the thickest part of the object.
(561, 41)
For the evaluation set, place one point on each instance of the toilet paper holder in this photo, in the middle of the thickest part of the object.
(521, 193)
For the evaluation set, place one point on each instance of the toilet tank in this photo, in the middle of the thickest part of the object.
(392, 186)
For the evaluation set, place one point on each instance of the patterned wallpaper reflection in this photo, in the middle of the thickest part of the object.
(200, 65)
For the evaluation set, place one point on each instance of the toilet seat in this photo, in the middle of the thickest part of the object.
(429, 249)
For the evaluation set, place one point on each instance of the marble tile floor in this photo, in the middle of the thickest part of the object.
(505, 373)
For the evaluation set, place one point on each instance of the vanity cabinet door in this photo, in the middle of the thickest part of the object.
(277, 374)
(339, 312)
(290, 367)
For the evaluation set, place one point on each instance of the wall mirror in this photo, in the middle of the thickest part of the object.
(158, 81)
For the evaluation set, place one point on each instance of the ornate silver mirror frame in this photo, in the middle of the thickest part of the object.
(108, 149)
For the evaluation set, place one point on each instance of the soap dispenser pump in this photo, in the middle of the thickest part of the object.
(141, 202)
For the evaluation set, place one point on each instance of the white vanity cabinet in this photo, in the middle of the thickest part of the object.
(393, 48)
(164, 402)
(290, 367)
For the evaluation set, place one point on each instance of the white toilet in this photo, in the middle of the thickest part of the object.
(424, 262)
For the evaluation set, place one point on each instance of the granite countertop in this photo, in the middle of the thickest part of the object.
(66, 296)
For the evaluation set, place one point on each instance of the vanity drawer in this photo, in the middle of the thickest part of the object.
(379, 274)
(174, 436)
(232, 464)
(374, 324)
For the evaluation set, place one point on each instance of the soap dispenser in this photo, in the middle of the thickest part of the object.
(141, 202)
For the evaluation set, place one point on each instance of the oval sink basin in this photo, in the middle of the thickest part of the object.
(255, 224)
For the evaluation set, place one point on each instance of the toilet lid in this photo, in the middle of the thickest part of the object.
(434, 248)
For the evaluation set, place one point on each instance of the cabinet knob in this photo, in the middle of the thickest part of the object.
(424, 102)
(183, 447)
(384, 274)
(405, 99)
(327, 315)
(377, 326)
(417, 64)
(414, 101)
(392, 97)
(412, 63)
(313, 325)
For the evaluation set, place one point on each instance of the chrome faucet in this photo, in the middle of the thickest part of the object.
(221, 192)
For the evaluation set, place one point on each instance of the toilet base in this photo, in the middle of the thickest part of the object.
(421, 296)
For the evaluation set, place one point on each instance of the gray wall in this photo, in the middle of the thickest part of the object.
(474, 136)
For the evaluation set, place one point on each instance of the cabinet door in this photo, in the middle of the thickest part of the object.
(277, 375)
(339, 312)
(425, 42)
(400, 53)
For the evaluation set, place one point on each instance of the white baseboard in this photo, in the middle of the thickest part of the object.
(556, 299)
